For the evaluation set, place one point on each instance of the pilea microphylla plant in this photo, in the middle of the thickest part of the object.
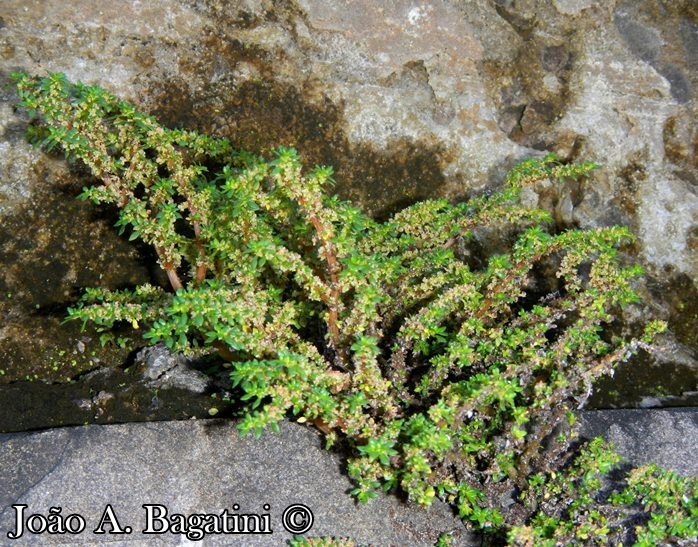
(445, 373)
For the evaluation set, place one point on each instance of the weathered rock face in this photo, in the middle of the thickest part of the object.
(406, 99)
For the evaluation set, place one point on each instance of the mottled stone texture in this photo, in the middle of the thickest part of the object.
(204, 466)
(194, 467)
(406, 99)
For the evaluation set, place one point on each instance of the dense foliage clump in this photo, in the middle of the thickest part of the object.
(445, 370)
(594, 501)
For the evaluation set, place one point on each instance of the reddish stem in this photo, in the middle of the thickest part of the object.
(201, 268)
(333, 268)
(175, 281)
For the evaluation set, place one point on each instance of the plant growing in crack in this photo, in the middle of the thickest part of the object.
(445, 376)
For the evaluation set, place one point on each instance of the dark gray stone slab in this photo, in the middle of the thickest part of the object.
(197, 466)
(667, 437)
(204, 466)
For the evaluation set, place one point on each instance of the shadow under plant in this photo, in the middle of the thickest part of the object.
(444, 373)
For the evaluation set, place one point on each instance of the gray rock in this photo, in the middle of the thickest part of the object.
(204, 466)
(668, 438)
(193, 467)
(104, 396)
(164, 369)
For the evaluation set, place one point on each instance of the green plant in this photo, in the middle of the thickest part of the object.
(445, 370)
(583, 505)
(445, 539)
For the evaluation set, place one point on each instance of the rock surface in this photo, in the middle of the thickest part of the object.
(193, 467)
(406, 99)
(667, 438)
(199, 466)
(163, 369)
(159, 385)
